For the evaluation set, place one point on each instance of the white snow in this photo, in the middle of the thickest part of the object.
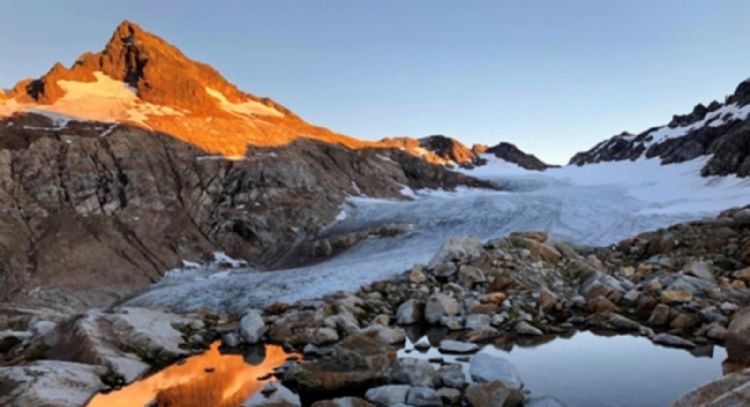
(105, 99)
(247, 108)
(595, 204)
(716, 118)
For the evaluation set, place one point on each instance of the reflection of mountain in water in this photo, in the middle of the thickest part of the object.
(232, 380)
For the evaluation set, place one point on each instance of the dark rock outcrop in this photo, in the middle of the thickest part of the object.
(513, 154)
(721, 130)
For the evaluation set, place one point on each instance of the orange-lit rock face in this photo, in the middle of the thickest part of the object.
(232, 381)
(143, 80)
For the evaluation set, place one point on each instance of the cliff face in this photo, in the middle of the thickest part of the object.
(92, 211)
(721, 130)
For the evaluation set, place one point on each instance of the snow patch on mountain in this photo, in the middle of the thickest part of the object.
(105, 100)
(247, 108)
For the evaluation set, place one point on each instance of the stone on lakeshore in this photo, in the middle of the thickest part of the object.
(438, 306)
(385, 396)
(450, 396)
(672, 340)
(452, 375)
(49, 383)
(423, 397)
(730, 390)
(477, 321)
(676, 296)
(738, 337)
(659, 316)
(470, 275)
(464, 247)
(524, 328)
(485, 368)
(414, 372)
(494, 393)
(410, 312)
(252, 327)
(700, 269)
(387, 335)
(451, 346)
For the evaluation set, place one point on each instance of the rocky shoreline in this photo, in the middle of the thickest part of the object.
(684, 286)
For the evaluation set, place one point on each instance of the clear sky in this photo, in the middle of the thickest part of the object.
(553, 77)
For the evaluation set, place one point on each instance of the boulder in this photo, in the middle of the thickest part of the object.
(730, 390)
(423, 397)
(477, 321)
(384, 396)
(737, 339)
(485, 368)
(439, 306)
(672, 340)
(384, 334)
(409, 312)
(470, 275)
(414, 372)
(700, 269)
(659, 316)
(451, 346)
(524, 328)
(252, 327)
(356, 362)
(676, 296)
(452, 375)
(50, 383)
(464, 247)
(492, 394)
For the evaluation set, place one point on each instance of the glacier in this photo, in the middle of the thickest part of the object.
(596, 204)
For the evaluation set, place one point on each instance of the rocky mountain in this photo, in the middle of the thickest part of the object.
(513, 154)
(136, 158)
(721, 130)
(437, 149)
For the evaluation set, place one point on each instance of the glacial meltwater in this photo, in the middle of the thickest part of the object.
(582, 370)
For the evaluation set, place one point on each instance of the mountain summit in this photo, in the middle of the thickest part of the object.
(141, 79)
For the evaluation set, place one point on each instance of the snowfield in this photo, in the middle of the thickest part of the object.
(595, 204)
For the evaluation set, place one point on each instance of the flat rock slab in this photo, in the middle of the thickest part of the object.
(50, 383)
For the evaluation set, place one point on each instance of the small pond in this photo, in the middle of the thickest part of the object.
(583, 370)
(590, 370)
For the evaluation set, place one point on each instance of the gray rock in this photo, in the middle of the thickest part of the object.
(410, 312)
(415, 372)
(49, 383)
(485, 368)
(452, 375)
(738, 337)
(465, 247)
(470, 275)
(526, 329)
(230, 340)
(450, 396)
(438, 306)
(672, 340)
(445, 269)
(385, 396)
(423, 397)
(492, 394)
(252, 327)
(730, 390)
(701, 269)
(477, 321)
(451, 346)
(390, 336)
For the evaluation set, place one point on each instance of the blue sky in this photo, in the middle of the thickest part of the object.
(553, 77)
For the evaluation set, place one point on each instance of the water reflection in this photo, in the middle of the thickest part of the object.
(586, 369)
(209, 379)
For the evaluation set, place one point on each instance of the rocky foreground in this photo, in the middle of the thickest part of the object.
(685, 286)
